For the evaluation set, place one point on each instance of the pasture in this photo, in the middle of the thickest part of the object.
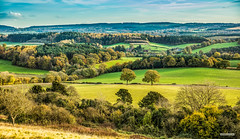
(219, 45)
(220, 77)
(7, 66)
(234, 63)
(107, 92)
(156, 47)
(120, 61)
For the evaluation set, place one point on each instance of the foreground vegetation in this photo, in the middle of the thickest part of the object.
(61, 107)
(24, 131)
(179, 76)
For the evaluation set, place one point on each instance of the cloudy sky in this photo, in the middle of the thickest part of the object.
(23, 13)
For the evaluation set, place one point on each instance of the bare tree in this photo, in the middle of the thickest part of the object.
(14, 103)
(196, 97)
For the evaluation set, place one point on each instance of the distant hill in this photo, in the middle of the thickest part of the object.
(156, 28)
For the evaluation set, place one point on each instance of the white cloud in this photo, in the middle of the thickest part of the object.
(85, 2)
(15, 14)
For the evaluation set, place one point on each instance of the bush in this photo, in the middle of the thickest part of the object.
(36, 89)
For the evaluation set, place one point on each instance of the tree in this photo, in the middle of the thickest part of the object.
(151, 76)
(153, 98)
(196, 97)
(238, 67)
(14, 103)
(153, 60)
(124, 96)
(198, 125)
(127, 75)
(189, 49)
(57, 87)
(36, 89)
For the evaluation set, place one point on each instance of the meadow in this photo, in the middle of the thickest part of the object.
(120, 61)
(220, 77)
(7, 66)
(153, 46)
(107, 92)
(219, 45)
(234, 63)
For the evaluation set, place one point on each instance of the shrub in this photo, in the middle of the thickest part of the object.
(36, 89)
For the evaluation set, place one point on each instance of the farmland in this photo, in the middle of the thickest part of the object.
(234, 63)
(120, 61)
(179, 76)
(107, 92)
(7, 66)
(153, 46)
(219, 45)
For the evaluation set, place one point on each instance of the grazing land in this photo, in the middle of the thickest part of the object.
(120, 61)
(153, 46)
(219, 45)
(107, 92)
(234, 63)
(7, 66)
(220, 77)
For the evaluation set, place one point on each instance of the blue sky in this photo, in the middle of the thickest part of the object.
(23, 13)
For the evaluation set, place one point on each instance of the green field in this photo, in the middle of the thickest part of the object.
(219, 45)
(153, 46)
(9, 44)
(107, 92)
(7, 66)
(234, 63)
(220, 77)
(120, 61)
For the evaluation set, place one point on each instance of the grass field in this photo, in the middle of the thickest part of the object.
(219, 45)
(120, 61)
(234, 63)
(153, 46)
(107, 92)
(220, 77)
(9, 44)
(7, 66)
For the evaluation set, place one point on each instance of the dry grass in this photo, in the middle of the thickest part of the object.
(23, 131)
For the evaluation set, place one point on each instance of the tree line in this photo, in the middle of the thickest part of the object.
(101, 38)
(198, 111)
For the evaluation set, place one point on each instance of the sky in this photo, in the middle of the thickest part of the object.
(25, 13)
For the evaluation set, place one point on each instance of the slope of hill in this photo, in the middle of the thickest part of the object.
(204, 29)
(179, 76)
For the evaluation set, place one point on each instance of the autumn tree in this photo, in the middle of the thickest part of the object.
(124, 96)
(153, 60)
(153, 99)
(127, 75)
(151, 76)
(14, 103)
(196, 97)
